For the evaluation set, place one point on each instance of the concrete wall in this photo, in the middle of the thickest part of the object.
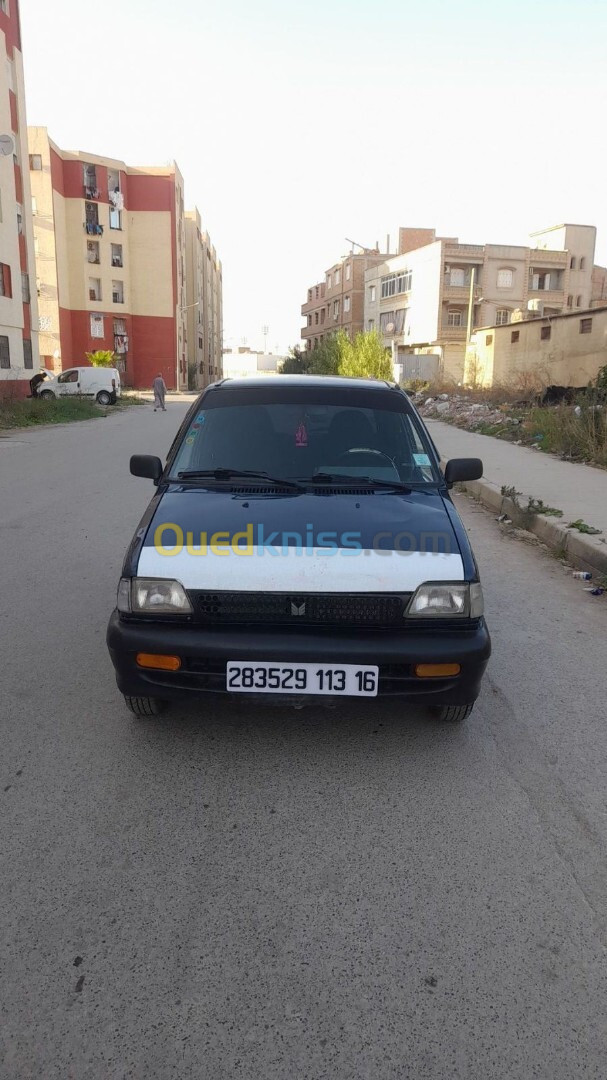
(567, 358)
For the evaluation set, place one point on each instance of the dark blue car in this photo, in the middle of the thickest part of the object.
(301, 543)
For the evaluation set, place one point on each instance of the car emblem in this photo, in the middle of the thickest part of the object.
(298, 609)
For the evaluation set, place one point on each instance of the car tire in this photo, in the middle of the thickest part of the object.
(145, 707)
(46, 395)
(453, 714)
(103, 398)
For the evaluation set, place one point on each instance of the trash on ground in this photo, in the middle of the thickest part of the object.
(582, 575)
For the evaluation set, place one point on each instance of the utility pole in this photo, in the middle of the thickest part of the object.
(265, 331)
(470, 306)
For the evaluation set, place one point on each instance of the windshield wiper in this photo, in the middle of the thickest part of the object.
(339, 479)
(229, 474)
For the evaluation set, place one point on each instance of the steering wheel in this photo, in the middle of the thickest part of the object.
(365, 450)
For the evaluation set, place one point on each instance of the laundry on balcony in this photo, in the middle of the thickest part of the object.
(92, 192)
(117, 199)
(93, 228)
(121, 344)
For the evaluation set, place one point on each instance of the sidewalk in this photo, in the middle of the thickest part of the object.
(580, 491)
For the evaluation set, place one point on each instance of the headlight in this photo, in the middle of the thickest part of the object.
(447, 600)
(154, 595)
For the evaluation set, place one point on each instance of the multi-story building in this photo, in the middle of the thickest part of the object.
(19, 356)
(111, 262)
(204, 292)
(338, 302)
(423, 300)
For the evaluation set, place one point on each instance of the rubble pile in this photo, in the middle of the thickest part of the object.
(463, 412)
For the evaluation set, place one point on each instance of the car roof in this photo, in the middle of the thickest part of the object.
(307, 381)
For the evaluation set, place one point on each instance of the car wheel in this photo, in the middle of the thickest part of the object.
(145, 706)
(103, 398)
(46, 395)
(453, 714)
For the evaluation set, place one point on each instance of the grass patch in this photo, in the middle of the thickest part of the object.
(583, 527)
(32, 411)
(560, 431)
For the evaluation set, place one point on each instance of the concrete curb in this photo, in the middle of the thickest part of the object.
(585, 552)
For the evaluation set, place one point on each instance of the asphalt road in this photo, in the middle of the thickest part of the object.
(262, 894)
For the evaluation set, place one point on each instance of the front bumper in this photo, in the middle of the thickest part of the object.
(204, 652)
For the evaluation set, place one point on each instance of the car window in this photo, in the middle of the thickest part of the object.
(68, 377)
(294, 440)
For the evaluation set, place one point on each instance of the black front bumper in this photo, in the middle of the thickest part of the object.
(204, 652)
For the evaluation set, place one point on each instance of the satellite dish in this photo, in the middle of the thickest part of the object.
(7, 146)
(390, 327)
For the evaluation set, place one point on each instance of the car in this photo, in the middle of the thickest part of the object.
(301, 545)
(100, 383)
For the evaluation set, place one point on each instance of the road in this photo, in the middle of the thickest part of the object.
(265, 894)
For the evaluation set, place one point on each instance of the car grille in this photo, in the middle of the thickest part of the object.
(306, 609)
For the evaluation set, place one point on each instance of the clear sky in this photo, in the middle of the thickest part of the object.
(297, 125)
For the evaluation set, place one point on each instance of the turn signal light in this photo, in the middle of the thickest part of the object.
(159, 662)
(436, 671)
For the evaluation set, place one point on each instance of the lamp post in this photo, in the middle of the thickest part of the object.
(470, 306)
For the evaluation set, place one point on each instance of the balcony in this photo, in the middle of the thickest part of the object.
(547, 296)
(540, 257)
(453, 333)
(460, 293)
(464, 251)
(91, 192)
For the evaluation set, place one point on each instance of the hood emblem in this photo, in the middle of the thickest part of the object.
(298, 609)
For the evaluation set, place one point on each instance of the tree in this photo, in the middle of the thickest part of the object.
(101, 358)
(296, 363)
(364, 358)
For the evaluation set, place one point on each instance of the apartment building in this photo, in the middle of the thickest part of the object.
(111, 262)
(337, 303)
(422, 300)
(19, 354)
(557, 350)
(204, 294)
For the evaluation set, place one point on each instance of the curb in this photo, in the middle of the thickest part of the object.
(585, 552)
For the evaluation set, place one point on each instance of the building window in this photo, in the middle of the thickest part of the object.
(372, 293)
(36, 162)
(322, 316)
(92, 252)
(514, 336)
(394, 284)
(337, 277)
(505, 278)
(25, 288)
(309, 295)
(540, 281)
(578, 300)
(19, 220)
(346, 303)
(545, 333)
(316, 292)
(309, 318)
(118, 292)
(572, 263)
(489, 339)
(94, 288)
(371, 324)
(328, 281)
(316, 318)
(28, 356)
(115, 218)
(583, 263)
(585, 326)
(97, 330)
(348, 271)
(454, 318)
(502, 316)
(117, 255)
(336, 309)
(5, 280)
(5, 352)
(457, 276)
(119, 327)
(570, 300)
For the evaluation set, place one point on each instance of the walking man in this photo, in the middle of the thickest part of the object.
(159, 388)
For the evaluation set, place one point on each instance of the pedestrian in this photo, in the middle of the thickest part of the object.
(159, 388)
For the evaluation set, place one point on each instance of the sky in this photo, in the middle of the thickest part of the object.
(298, 125)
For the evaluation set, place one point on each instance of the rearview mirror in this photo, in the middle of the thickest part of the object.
(146, 465)
(463, 468)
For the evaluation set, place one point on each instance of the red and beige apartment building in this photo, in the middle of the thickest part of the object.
(337, 303)
(18, 307)
(111, 257)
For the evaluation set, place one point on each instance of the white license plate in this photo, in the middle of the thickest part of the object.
(346, 680)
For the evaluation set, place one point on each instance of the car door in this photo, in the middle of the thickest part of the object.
(68, 383)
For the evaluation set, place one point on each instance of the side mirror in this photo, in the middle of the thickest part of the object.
(461, 469)
(146, 465)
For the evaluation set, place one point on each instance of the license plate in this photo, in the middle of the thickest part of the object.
(345, 680)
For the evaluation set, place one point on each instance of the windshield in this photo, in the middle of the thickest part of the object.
(296, 440)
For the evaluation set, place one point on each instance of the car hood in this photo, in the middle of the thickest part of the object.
(379, 542)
